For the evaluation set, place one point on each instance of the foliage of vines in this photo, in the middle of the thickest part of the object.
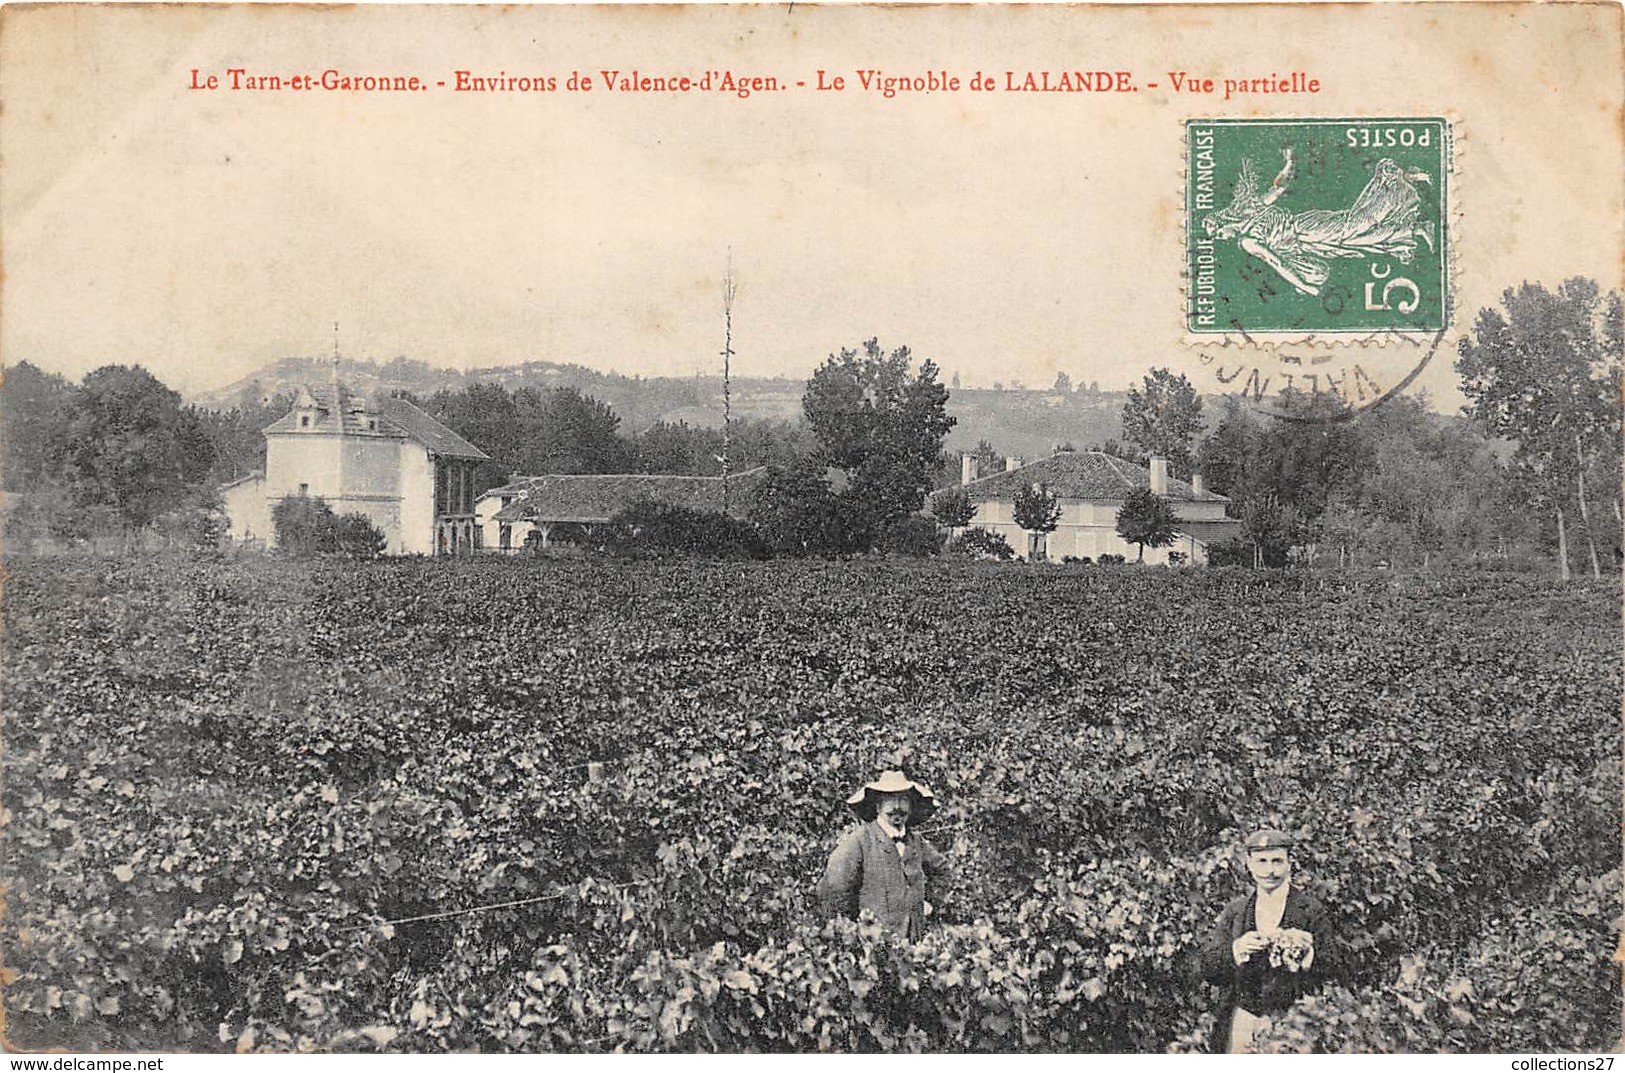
(221, 778)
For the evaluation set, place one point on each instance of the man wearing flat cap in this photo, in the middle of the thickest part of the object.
(882, 865)
(1268, 947)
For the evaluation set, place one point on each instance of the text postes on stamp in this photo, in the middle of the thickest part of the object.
(1317, 227)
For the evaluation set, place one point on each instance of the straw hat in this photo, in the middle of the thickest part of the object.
(863, 802)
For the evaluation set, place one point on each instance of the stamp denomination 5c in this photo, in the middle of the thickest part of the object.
(1313, 227)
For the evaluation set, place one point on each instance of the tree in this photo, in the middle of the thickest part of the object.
(797, 513)
(953, 508)
(1398, 481)
(981, 544)
(761, 442)
(1163, 417)
(883, 427)
(1344, 525)
(237, 435)
(647, 527)
(1227, 454)
(1146, 519)
(1423, 483)
(132, 446)
(1305, 460)
(534, 430)
(487, 416)
(1123, 451)
(1272, 527)
(988, 461)
(356, 536)
(1544, 371)
(913, 535)
(1063, 383)
(1038, 512)
(35, 408)
(564, 431)
(678, 447)
(306, 525)
(303, 524)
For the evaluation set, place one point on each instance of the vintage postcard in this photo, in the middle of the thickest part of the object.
(811, 529)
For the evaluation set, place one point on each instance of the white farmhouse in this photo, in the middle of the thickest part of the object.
(1090, 487)
(379, 456)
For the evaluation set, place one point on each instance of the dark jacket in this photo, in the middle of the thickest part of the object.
(1254, 985)
(865, 872)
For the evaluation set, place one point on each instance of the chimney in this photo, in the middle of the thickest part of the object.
(1012, 463)
(1196, 485)
(967, 468)
(1159, 476)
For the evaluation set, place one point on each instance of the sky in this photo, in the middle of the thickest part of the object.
(205, 233)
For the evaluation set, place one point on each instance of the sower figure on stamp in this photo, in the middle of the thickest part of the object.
(1300, 246)
(883, 864)
(1268, 947)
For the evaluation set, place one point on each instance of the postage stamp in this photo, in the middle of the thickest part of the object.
(1317, 227)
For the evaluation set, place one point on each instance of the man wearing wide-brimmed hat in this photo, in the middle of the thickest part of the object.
(1268, 947)
(882, 865)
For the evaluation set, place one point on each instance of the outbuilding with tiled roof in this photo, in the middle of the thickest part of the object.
(511, 512)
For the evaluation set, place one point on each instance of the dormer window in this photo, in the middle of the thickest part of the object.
(304, 420)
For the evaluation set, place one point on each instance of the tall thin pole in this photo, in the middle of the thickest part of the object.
(727, 372)
(338, 417)
(338, 401)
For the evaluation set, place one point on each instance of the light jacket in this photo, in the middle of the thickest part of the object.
(866, 872)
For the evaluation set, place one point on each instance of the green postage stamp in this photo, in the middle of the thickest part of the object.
(1317, 226)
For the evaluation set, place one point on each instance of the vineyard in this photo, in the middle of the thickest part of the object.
(246, 801)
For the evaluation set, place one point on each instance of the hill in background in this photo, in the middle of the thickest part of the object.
(1028, 423)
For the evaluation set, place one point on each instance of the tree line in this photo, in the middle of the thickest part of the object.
(120, 455)
(1531, 467)
(533, 431)
(115, 455)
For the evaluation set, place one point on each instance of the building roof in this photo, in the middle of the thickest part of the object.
(377, 417)
(1210, 531)
(430, 433)
(1081, 475)
(597, 497)
(319, 397)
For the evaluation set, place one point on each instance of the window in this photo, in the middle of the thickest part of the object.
(304, 420)
(304, 489)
